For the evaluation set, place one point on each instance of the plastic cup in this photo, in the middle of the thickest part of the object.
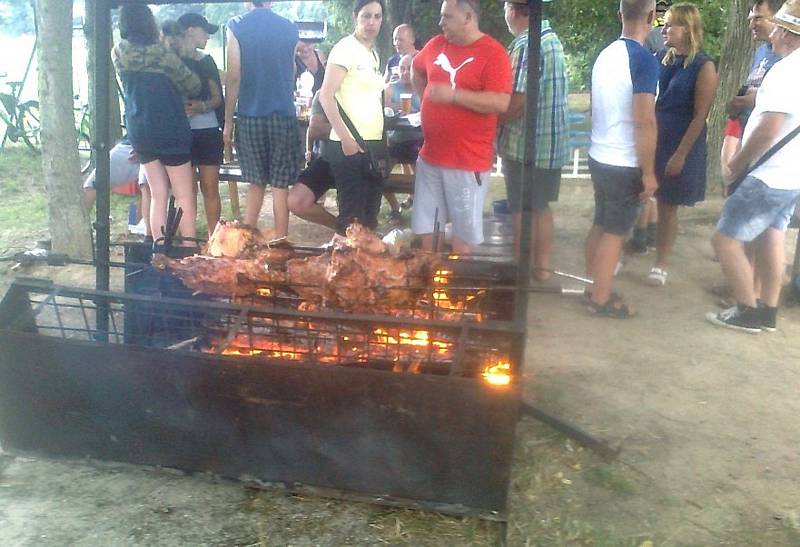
(405, 102)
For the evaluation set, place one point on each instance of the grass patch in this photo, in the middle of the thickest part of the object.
(611, 478)
(20, 171)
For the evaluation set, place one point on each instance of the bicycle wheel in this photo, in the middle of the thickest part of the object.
(29, 125)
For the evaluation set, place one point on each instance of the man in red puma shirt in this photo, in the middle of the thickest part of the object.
(464, 79)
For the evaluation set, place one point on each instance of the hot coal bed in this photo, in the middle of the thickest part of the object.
(415, 407)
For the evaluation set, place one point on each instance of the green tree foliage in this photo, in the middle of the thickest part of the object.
(423, 15)
(16, 17)
(587, 26)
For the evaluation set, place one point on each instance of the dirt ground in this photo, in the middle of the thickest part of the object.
(706, 420)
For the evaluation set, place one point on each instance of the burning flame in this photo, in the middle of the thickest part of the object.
(264, 291)
(498, 374)
(417, 338)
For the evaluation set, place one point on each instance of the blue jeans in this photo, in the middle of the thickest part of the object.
(754, 207)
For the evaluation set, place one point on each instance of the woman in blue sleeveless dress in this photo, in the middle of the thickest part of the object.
(686, 88)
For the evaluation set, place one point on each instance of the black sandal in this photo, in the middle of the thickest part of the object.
(587, 296)
(614, 308)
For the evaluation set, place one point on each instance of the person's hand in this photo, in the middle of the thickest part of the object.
(350, 146)
(727, 174)
(193, 107)
(650, 186)
(740, 103)
(674, 166)
(441, 93)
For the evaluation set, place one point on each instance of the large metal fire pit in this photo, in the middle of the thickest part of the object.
(440, 440)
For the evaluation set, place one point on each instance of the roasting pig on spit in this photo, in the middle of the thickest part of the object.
(360, 273)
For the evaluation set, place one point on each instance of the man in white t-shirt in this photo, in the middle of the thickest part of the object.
(760, 209)
(622, 154)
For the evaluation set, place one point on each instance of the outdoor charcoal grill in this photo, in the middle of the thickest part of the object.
(399, 409)
(385, 418)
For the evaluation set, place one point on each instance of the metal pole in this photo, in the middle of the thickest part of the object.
(531, 115)
(100, 135)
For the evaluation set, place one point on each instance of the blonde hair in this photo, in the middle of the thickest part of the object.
(685, 15)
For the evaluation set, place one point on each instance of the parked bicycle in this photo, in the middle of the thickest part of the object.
(21, 118)
(83, 127)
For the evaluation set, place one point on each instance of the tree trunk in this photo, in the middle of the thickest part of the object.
(68, 221)
(115, 117)
(737, 55)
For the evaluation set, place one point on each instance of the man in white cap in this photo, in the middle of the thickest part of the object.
(760, 209)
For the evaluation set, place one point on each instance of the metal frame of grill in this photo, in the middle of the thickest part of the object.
(76, 381)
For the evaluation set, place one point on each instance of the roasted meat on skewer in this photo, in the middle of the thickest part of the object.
(361, 273)
(220, 276)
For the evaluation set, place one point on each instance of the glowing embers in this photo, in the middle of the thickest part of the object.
(453, 299)
(498, 374)
(389, 347)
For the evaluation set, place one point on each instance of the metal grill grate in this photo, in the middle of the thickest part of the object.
(397, 344)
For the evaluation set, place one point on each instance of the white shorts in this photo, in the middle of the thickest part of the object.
(458, 196)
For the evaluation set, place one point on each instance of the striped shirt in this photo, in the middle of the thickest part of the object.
(552, 132)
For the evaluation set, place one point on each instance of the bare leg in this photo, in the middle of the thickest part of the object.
(89, 195)
(752, 256)
(252, 204)
(461, 247)
(667, 232)
(541, 241)
(590, 249)
(542, 238)
(770, 259)
(181, 178)
(607, 252)
(209, 187)
(644, 215)
(158, 183)
(736, 267)
(146, 202)
(280, 211)
(301, 203)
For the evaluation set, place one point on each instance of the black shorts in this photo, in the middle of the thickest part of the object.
(544, 186)
(170, 160)
(616, 196)
(317, 176)
(207, 146)
(404, 151)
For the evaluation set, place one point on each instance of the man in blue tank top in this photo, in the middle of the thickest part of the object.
(260, 78)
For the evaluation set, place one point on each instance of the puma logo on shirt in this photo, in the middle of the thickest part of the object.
(443, 62)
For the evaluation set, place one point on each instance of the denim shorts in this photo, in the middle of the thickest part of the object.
(754, 207)
(616, 196)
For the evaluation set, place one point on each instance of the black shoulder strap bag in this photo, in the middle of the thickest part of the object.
(767, 155)
(374, 169)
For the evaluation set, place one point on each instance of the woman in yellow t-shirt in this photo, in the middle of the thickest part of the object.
(353, 80)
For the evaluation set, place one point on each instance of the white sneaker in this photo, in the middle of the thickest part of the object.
(138, 229)
(657, 277)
